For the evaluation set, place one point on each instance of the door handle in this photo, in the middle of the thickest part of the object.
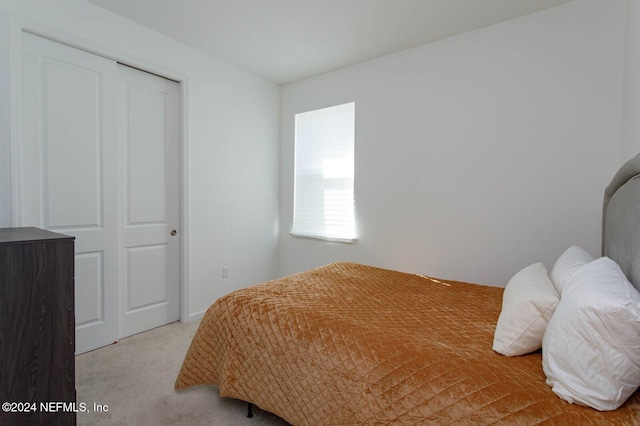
(173, 232)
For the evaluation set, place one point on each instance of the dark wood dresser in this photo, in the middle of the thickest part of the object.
(37, 328)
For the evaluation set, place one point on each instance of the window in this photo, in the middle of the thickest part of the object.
(323, 205)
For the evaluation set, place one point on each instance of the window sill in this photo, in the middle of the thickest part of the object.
(325, 238)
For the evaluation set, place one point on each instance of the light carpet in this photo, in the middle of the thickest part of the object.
(133, 379)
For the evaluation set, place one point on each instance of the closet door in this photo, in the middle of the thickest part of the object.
(99, 160)
(67, 172)
(149, 199)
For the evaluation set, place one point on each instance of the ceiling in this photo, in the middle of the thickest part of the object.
(287, 40)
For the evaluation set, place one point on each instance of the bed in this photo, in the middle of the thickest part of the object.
(348, 344)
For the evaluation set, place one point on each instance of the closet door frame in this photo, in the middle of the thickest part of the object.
(19, 25)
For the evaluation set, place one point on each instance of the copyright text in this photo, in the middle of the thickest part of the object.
(53, 407)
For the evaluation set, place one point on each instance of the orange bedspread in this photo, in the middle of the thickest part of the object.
(351, 344)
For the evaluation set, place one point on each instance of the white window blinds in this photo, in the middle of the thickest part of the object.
(324, 168)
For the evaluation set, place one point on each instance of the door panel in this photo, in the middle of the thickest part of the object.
(146, 157)
(149, 129)
(68, 179)
(89, 272)
(143, 274)
(81, 206)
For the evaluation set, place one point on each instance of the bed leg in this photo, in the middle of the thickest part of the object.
(249, 409)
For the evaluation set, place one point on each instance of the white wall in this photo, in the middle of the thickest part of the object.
(232, 144)
(631, 105)
(479, 154)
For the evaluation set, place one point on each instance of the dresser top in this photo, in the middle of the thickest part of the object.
(30, 234)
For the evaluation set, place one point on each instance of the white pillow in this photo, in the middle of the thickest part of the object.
(528, 302)
(567, 264)
(591, 349)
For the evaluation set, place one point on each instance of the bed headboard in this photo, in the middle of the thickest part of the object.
(621, 220)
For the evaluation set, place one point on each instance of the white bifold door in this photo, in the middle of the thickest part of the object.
(99, 159)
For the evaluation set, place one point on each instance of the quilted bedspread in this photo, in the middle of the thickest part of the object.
(349, 344)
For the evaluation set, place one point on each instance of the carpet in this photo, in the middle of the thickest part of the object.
(131, 383)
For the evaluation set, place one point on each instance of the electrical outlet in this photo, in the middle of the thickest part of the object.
(225, 272)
